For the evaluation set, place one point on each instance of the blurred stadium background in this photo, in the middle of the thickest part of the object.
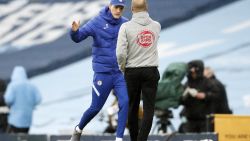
(35, 34)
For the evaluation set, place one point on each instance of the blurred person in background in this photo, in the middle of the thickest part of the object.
(221, 104)
(137, 56)
(198, 99)
(3, 108)
(22, 97)
(112, 112)
(104, 29)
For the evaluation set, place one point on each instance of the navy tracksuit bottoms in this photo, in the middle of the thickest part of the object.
(103, 83)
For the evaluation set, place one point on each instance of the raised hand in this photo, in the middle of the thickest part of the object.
(75, 25)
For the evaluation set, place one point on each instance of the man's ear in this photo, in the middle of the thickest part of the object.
(110, 6)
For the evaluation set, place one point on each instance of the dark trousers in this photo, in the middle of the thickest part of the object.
(3, 122)
(141, 82)
(13, 129)
(193, 126)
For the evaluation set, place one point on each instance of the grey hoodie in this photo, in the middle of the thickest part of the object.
(137, 42)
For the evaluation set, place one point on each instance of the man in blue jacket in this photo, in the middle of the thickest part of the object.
(104, 29)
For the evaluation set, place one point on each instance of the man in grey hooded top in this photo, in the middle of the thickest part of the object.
(137, 57)
(22, 97)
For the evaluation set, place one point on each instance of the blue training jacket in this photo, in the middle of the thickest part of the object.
(104, 30)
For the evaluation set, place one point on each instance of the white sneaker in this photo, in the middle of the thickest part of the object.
(118, 139)
(76, 136)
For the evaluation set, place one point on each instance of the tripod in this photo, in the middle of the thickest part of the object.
(163, 121)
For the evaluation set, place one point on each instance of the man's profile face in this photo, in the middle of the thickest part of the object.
(208, 73)
(116, 10)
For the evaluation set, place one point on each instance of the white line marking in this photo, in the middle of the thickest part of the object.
(237, 28)
(190, 48)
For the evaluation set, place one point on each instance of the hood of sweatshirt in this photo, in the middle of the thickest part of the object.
(198, 65)
(142, 18)
(19, 74)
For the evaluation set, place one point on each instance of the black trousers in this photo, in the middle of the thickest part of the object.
(193, 126)
(13, 129)
(3, 122)
(141, 82)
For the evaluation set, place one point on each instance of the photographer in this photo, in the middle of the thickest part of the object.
(197, 99)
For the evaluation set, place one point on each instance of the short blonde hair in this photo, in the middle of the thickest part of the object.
(139, 5)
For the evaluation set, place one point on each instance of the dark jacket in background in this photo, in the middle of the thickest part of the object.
(221, 104)
(196, 109)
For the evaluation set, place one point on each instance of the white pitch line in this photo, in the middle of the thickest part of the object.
(237, 28)
(190, 48)
(166, 46)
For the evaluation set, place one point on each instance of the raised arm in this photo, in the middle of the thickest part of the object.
(80, 33)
